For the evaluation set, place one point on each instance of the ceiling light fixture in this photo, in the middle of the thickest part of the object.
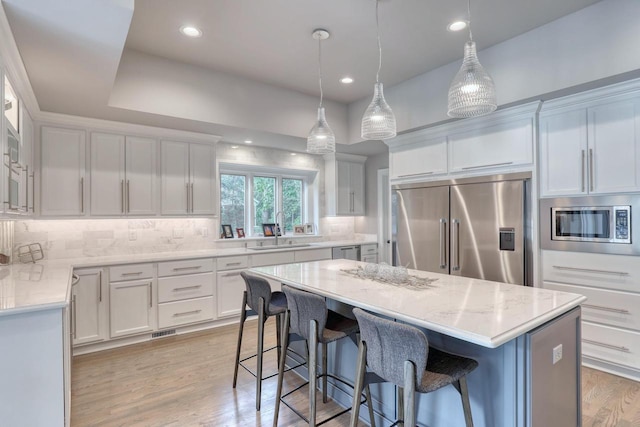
(234, 146)
(248, 141)
(191, 31)
(293, 154)
(472, 92)
(457, 26)
(346, 80)
(378, 121)
(321, 139)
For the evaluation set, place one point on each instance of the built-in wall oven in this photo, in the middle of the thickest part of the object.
(601, 224)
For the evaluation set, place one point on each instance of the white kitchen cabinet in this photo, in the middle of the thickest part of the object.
(27, 132)
(312, 255)
(62, 181)
(590, 144)
(140, 169)
(132, 307)
(89, 307)
(417, 160)
(369, 253)
(344, 184)
(188, 178)
(230, 286)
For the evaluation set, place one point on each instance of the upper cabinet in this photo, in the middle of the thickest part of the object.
(590, 143)
(344, 184)
(500, 142)
(62, 189)
(123, 175)
(188, 178)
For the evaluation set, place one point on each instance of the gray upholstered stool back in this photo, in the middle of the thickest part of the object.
(257, 288)
(304, 307)
(390, 344)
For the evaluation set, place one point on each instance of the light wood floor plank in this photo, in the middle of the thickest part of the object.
(186, 381)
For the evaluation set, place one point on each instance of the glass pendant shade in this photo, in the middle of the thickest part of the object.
(472, 92)
(321, 139)
(378, 121)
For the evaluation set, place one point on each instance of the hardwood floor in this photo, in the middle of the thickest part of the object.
(186, 381)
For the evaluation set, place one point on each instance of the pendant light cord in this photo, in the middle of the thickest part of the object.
(320, 69)
(379, 45)
(469, 23)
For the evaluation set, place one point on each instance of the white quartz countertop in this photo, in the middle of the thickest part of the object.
(46, 284)
(477, 311)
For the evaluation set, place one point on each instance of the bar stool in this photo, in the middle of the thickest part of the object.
(309, 319)
(261, 301)
(401, 355)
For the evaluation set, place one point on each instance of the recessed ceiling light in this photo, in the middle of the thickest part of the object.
(234, 146)
(346, 80)
(293, 154)
(190, 31)
(248, 141)
(457, 26)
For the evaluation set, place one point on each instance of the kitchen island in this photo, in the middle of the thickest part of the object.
(526, 340)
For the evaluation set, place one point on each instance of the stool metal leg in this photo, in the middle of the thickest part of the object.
(324, 373)
(409, 394)
(261, 320)
(283, 357)
(357, 387)
(400, 403)
(367, 393)
(279, 335)
(243, 317)
(313, 360)
(466, 405)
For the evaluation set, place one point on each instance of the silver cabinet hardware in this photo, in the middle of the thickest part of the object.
(82, 194)
(192, 203)
(455, 244)
(188, 197)
(237, 273)
(100, 286)
(605, 345)
(610, 309)
(128, 198)
(150, 294)
(415, 174)
(26, 198)
(187, 288)
(186, 313)
(486, 166)
(583, 168)
(592, 171)
(73, 316)
(443, 244)
(589, 270)
(137, 273)
(122, 197)
(195, 267)
(74, 279)
(33, 191)
(229, 264)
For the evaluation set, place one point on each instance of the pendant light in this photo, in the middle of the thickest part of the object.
(378, 121)
(321, 139)
(472, 92)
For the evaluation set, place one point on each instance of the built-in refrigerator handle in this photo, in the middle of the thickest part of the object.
(443, 243)
(455, 245)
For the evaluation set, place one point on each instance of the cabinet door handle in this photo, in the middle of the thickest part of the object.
(26, 197)
(443, 244)
(122, 196)
(100, 286)
(231, 274)
(82, 195)
(415, 174)
(592, 172)
(455, 241)
(195, 267)
(605, 345)
(33, 191)
(73, 316)
(583, 168)
(150, 294)
(137, 273)
(186, 313)
(229, 264)
(603, 308)
(192, 202)
(486, 166)
(128, 198)
(188, 195)
(589, 270)
(187, 288)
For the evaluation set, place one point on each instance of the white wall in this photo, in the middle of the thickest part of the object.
(594, 43)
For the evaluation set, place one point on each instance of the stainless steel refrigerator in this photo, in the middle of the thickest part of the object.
(473, 227)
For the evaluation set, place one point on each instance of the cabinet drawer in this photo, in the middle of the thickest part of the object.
(368, 249)
(232, 262)
(189, 266)
(185, 287)
(313, 255)
(614, 308)
(611, 344)
(274, 258)
(130, 272)
(620, 272)
(183, 312)
(370, 258)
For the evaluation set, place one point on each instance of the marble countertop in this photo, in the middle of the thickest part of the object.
(477, 311)
(46, 284)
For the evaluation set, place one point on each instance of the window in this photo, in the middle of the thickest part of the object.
(250, 199)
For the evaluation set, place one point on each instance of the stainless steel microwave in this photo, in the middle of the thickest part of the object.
(601, 224)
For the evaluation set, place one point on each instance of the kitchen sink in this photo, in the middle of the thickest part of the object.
(286, 246)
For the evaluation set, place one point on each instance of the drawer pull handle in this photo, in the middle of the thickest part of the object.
(486, 166)
(229, 264)
(186, 288)
(195, 267)
(415, 174)
(187, 313)
(605, 345)
(589, 270)
(611, 309)
(137, 273)
(231, 274)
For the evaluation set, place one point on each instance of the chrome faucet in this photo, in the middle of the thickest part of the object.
(281, 213)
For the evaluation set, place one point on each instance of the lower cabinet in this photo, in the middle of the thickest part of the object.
(89, 317)
(132, 309)
(177, 313)
(230, 288)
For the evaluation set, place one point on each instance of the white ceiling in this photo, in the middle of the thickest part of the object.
(72, 48)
